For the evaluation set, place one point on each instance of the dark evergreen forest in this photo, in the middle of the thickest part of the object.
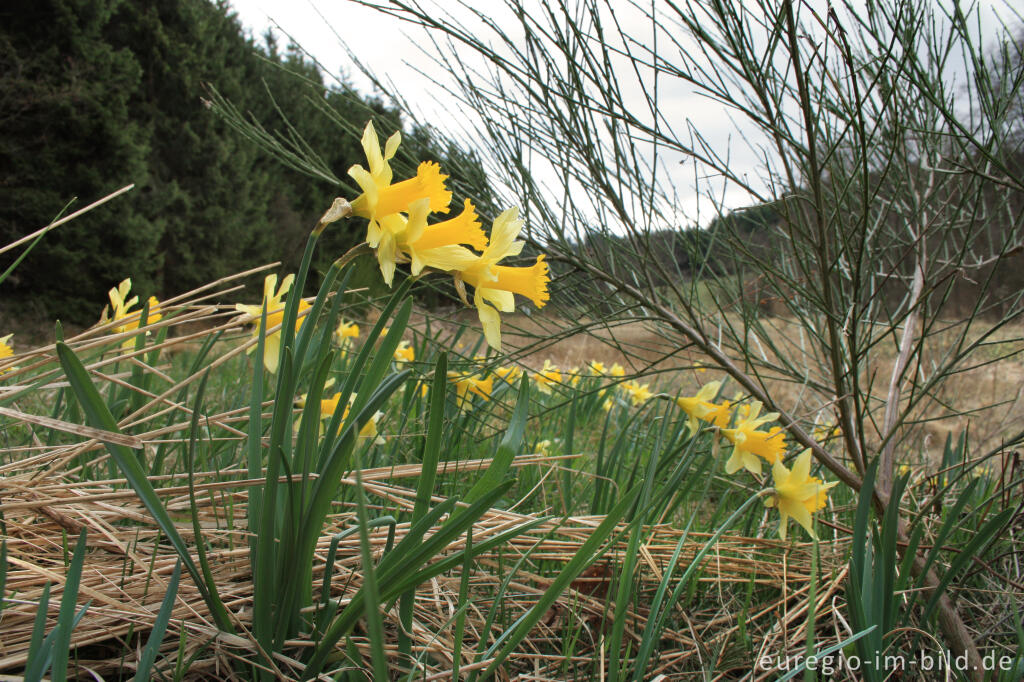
(98, 94)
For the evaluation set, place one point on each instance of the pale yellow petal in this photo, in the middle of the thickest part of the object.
(802, 466)
(503, 233)
(709, 391)
(799, 514)
(371, 147)
(271, 351)
(445, 258)
(286, 285)
(418, 212)
(391, 146)
(366, 183)
(490, 320)
(505, 301)
(386, 252)
(269, 284)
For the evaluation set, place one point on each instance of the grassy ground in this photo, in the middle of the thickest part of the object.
(626, 549)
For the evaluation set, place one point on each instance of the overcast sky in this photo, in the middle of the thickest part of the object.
(391, 47)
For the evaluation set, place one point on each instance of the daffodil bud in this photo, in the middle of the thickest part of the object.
(338, 210)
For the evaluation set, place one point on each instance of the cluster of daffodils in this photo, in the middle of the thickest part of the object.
(796, 493)
(398, 231)
(120, 310)
(545, 380)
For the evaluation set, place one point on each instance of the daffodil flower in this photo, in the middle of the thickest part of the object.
(596, 368)
(6, 351)
(437, 246)
(700, 408)
(383, 203)
(404, 353)
(467, 385)
(509, 374)
(638, 394)
(275, 316)
(749, 444)
(495, 286)
(546, 376)
(797, 494)
(345, 335)
(121, 310)
(328, 406)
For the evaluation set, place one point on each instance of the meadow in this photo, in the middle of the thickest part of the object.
(605, 520)
(783, 444)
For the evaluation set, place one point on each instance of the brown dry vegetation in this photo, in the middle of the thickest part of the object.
(127, 569)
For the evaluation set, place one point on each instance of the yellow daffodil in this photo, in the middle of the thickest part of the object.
(120, 304)
(495, 286)
(121, 310)
(617, 370)
(404, 353)
(467, 385)
(638, 394)
(749, 444)
(547, 375)
(6, 351)
(544, 447)
(437, 246)
(275, 316)
(797, 493)
(596, 368)
(700, 408)
(328, 406)
(383, 203)
(574, 376)
(345, 335)
(718, 414)
(346, 330)
(508, 374)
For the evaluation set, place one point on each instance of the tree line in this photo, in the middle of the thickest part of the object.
(98, 94)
